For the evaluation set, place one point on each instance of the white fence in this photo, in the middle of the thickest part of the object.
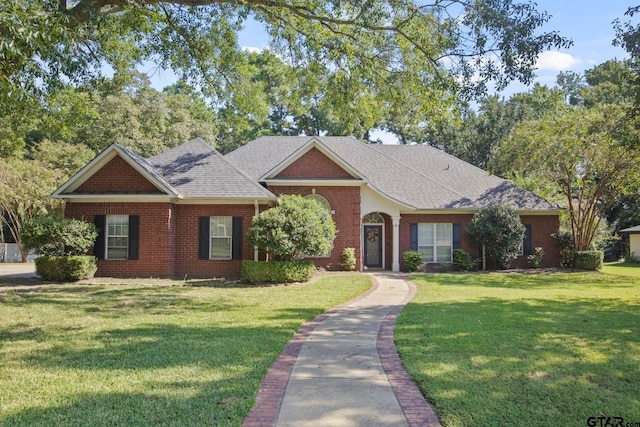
(9, 252)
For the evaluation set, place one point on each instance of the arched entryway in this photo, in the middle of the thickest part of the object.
(373, 240)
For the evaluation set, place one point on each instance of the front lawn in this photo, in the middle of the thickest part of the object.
(524, 349)
(148, 355)
(622, 269)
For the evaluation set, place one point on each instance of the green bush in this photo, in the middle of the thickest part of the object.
(567, 250)
(277, 271)
(589, 260)
(66, 268)
(296, 228)
(462, 260)
(348, 259)
(412, 260)
(54, 236)
(535, 259)
(500, 230)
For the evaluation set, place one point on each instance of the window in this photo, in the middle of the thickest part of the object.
(435, 242)
(219, 237)
(117, 237)
(220, 228)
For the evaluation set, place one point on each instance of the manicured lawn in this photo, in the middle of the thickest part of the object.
(147, 355)
(622, 269)
(524, 349)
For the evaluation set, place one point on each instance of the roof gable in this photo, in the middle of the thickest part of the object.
(116, 171)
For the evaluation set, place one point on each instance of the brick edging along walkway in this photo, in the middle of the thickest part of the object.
(416, 409)
(265, 411)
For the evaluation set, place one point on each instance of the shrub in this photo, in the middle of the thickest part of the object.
(66, 268)
(412, 260)
(535, 259)
(348, 259)
(500, 230)
(277, 271)
(462, 260)
(54, 236)
(589, 260)
(567, 250)
(296, 228)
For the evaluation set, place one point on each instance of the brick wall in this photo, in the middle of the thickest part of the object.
(156, 239)
(187, 262)
(345, 201)
(314, 164)
(117, 176)
(542, 227)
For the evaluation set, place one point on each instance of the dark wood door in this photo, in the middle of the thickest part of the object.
(373, 246)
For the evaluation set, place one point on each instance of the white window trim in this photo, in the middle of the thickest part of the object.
(435, 246)
(228, 236)
(108, 235)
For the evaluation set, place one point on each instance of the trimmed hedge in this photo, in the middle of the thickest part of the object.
(66, 268)
(412, 260)
(255, 272)
(589, 260)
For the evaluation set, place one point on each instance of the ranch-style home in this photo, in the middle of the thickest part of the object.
(186, 212)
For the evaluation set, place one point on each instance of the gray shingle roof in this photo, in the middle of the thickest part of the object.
(196, 170)
(417, 176)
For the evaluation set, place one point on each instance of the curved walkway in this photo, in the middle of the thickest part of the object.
(342, 369)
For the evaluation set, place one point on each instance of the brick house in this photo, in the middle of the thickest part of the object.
(187, 211)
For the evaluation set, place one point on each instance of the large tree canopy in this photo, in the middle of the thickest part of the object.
(44, 42)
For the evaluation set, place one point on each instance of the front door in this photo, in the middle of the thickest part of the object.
(373, 246)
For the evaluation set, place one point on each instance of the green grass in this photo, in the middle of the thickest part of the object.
(146, 355)
(524, 349)
(622, 269)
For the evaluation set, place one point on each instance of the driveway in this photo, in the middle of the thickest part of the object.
(18, 269)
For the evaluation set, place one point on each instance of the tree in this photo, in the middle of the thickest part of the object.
(24, 187)
(295, 228)
(443, 46)
(499, 230)
(587, 154)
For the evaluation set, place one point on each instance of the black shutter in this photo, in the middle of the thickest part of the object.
(203, 237)
(526, 244)
(134, 236)
(98, 248)
(457, 238)
(413, 237)
(236, 238)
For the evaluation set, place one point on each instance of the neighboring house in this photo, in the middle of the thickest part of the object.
(634, 241)
(186, 212)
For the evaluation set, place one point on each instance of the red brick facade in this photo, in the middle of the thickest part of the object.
(117, 176)
(314, 164)
(168, 232)
(345, 203)
(542, 229)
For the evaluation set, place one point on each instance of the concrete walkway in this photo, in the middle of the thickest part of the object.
(342, 369)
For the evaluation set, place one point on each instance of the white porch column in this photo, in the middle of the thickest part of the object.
(395, 264)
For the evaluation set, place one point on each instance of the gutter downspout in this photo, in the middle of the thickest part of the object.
(256, 213)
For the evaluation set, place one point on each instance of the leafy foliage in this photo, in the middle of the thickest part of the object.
(348, 259)
(499, 230)
(54, 236)
(24, 187)
(412, 260)
(66, 268)
(535, 258)
(589, 260)
(462, 260)
(255, 272)
(295, 228)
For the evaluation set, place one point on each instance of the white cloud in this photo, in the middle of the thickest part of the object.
(556, 61)
(252, 49)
